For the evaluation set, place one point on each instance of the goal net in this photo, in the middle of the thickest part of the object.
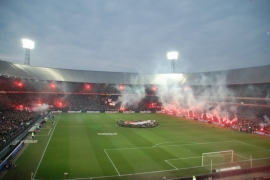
(217, 158)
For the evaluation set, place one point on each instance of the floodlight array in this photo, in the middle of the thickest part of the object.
(28, 44)
(172, 55)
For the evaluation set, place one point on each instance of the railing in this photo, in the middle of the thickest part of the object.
(4, 149)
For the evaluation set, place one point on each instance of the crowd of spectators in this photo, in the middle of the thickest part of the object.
(20, 85)
(13, 122)
(253, 118)
(245, 90)
(87, 102)
(245, 118)
(74, 102)
(32, 85)
(19, 96)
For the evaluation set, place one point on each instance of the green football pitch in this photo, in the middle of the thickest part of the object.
(92, 146)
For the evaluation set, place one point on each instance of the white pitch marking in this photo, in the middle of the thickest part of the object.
(49, 131)
(241, 156)
(167, 145)
(195, 143)
(169, 142)
(112, 162)
(127, 148)
(253, 146)
(184, 158)
(165, 160)
(137, 173)
(97, 177)
(46, 147)
(170, 164)
(260, 158)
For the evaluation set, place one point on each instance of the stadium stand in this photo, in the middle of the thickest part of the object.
(24, 90)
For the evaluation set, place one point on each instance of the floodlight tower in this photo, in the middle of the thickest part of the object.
(27, 45)
(172, 56)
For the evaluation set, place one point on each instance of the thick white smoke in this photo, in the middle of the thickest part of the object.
(205, 94)
(131, 96)
(266, 119)
(40, 107)
(206, 99)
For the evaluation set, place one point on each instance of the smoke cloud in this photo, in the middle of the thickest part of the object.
(266, 119)
(40, 107)
(199, 99)
(131, 96)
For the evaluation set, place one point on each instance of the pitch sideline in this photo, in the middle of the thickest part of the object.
(46, 147)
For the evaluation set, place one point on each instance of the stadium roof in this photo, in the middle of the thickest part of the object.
(252, 75)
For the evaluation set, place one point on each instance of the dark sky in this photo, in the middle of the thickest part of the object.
(135, 35)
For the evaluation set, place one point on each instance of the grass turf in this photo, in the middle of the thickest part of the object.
(78, 144)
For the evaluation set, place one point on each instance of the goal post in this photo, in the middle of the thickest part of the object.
(217, 157)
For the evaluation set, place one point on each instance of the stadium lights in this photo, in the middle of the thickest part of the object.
(27, 45)
(172, 56)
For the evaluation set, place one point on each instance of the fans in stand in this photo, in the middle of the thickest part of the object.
(250, 113)
(13, 122)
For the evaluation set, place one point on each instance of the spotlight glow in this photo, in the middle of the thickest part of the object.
(172, 55)
(28, 44)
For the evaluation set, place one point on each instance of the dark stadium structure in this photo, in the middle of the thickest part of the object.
(245, 76)
(27, 90)
(247, 85)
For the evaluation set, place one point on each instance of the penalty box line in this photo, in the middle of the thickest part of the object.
(192, 143)
(167, 160)
(252, 145)
(115, 149)
(247, 160)
(156, 145)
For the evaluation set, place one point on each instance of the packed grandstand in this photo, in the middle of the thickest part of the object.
(237, 99)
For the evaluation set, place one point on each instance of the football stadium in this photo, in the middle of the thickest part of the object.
(79, 124)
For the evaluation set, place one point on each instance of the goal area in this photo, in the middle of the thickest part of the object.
(215, 158)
